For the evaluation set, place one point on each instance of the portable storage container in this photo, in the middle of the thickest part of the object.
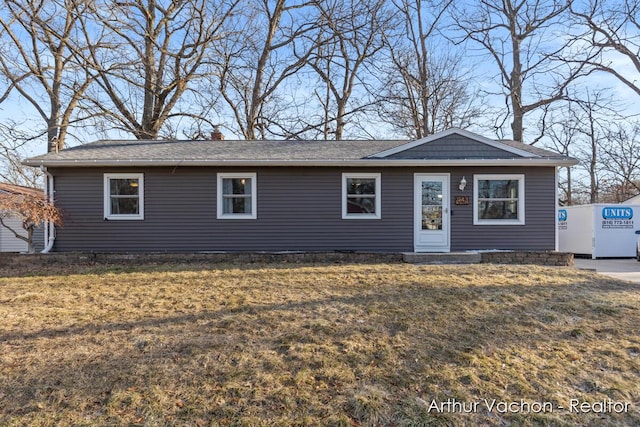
(599, 230)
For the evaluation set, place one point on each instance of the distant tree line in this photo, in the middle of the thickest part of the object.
(327, 69)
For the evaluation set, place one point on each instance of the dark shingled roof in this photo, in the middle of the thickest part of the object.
(284, 153)
(20, 190)
(531, 149)
(222, 150)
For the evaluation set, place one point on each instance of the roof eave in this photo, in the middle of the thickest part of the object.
(529, 161)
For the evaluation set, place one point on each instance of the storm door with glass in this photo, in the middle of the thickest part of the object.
(431, 213)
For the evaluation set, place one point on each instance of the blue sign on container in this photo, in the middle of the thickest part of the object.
(615, 212)
(562, 214)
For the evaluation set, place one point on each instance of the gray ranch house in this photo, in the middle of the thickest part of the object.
(453, 191)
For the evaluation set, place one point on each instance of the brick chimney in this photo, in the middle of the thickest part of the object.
(216, 135)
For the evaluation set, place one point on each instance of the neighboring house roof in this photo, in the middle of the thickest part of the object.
(430, 151)
(19, 189)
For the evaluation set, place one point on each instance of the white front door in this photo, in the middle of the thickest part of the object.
(431, 212)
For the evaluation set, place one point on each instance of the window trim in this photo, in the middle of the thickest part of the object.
(254, 195)
(107, 197)
(378, 196)
(521, 199)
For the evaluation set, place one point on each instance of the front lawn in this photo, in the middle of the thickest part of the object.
(285, 344)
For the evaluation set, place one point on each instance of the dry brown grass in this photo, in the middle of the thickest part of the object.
(314, 345)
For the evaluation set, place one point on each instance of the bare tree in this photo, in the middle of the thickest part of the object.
(269, 45)
(37, 59)
(585, 124)
(30, 207)
(563, 136)
(520, 37)
(11, 141)
(145, 55)
(423, 88)
(621, 160)
(351, 35)
(12, 151)
(421, 104)
(611, 27)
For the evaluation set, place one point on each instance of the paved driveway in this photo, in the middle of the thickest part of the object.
(624, 269)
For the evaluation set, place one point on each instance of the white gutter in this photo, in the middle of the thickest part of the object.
(303, 162)
(49, 228)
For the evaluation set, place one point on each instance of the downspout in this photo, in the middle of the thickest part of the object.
(557, 205)
(50, 228)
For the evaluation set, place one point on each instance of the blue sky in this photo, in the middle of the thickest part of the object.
(481, 74)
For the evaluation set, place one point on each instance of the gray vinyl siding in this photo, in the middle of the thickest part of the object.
(538, 233)
(298, 209)
(38, 238)
(453, 147)
(10, 243)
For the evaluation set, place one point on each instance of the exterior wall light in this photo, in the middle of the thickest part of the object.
(463, 183)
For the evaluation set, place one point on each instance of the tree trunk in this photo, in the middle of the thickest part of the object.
(593, 181)
(30, 246)
(516, 86)
(256, 94)
(340, 121)
(594, 159)
(569, 195)
(146, 130)
(54, 143)
(517, 123)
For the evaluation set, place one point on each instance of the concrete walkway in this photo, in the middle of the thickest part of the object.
(623, 269)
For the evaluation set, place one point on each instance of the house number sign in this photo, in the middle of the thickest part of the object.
(462, 200)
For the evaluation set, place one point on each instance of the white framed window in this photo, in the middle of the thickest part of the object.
(123, 196)
(237, 196)
(498, 199)
(361, 196)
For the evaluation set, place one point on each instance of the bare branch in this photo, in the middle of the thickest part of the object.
(38, 61)
(145, 56)
(423, 91)
(30, 207)
(611, 27)
(255, 61)
(518, 35)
